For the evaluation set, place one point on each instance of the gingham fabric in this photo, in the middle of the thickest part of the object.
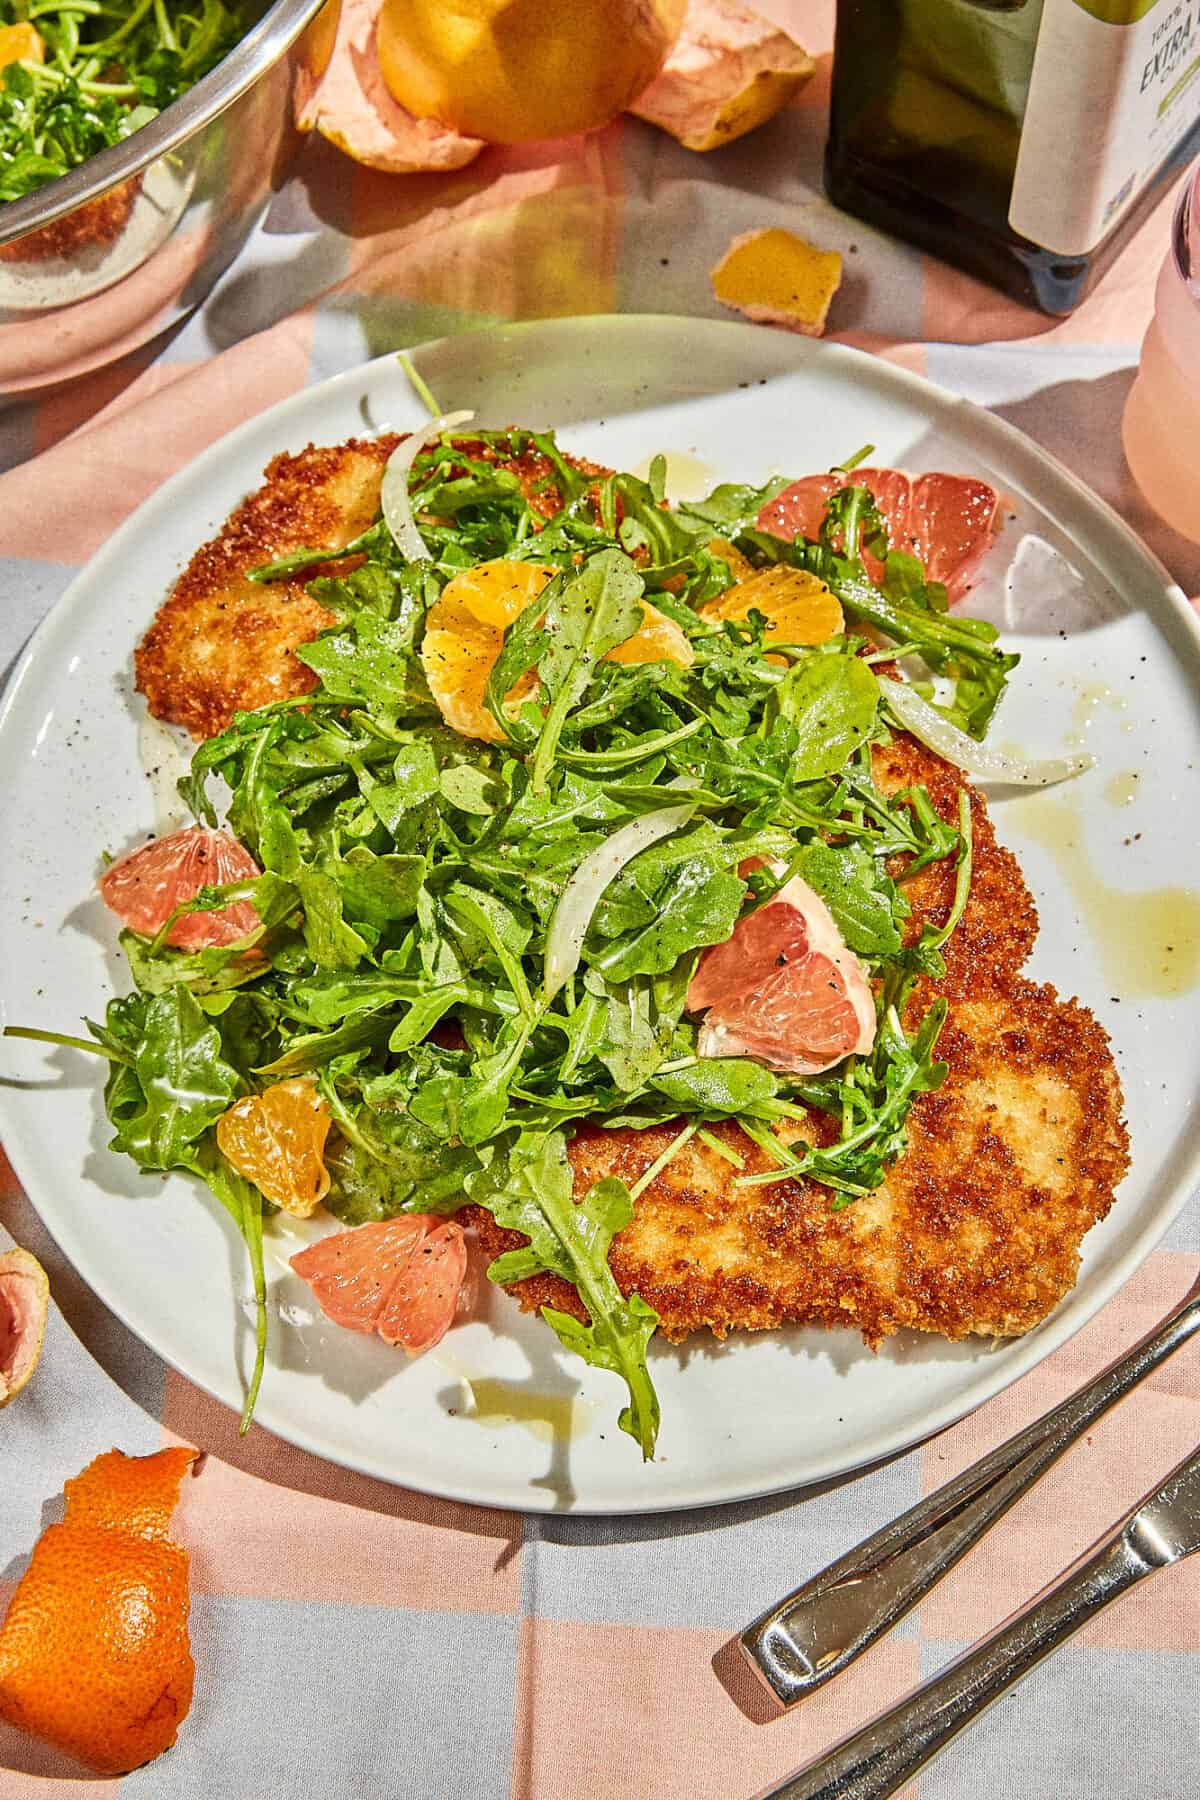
(360, 1642)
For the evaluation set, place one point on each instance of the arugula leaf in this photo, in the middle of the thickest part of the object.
(531, 1191)
(862, 900)
(584, 619)
(698, 905)
(830, 702)
(179, 1082)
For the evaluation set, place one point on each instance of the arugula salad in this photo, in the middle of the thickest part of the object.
(77, 76)
(470, 946)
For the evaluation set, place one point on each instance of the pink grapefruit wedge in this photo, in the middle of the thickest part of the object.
(399, 1277)
(145, 887)
(948, 521)
(784, 988)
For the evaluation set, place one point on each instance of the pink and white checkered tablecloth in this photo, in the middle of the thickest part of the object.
(360, 1642)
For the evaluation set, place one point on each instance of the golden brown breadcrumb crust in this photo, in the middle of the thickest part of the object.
(222, 643)
(977, 1227)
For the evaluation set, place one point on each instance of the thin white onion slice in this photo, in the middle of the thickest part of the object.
(393, 494)
(976, 760)
(581, 896)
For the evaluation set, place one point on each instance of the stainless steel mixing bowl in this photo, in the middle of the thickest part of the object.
(105, 258)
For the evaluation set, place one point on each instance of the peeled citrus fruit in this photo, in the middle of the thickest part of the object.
(276, 1139)
(464, 634)
(513, 70)
(798, 607)
(401, 1277)
(948, 521)
(145, 887)
(94, 1653)
(24, 1297)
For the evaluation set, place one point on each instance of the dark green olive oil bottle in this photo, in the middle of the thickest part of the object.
(1021, 139)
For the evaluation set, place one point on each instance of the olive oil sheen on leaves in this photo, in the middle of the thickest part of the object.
(1021, 139)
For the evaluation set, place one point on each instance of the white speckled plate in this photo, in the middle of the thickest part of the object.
(1111, 655)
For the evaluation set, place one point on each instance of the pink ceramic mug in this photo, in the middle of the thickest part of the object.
(1162, 415)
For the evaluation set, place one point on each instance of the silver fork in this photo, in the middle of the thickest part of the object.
(820, 1628)
(886, 1753)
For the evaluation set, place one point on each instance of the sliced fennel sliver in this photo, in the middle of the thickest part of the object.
(974, 759)
(579, 899)
(393, 494)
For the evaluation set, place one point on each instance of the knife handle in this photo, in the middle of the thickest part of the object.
(820, 1628)
(886, 1753)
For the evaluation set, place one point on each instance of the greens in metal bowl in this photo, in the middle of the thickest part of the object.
(77, 76)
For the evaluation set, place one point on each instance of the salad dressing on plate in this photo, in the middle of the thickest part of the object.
(1149, 941)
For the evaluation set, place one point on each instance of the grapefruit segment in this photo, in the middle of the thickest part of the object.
(948, 521)
(144, 887)
(784, 988)
(399, 1277)
(423, 1300)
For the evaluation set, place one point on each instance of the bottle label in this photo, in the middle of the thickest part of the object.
(1115, 87)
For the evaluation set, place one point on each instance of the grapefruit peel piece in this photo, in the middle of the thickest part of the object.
(24, 1303)
(777, 278)
(729, 72)
(348, 102)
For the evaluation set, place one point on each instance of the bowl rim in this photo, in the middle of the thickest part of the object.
(263, 45)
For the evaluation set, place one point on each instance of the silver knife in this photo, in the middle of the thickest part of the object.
(886, 1753)
(818, 1630)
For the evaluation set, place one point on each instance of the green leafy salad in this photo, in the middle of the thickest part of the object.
(89, 73)
(473, 948)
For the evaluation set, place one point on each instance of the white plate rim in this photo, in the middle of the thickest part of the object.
(1071, 1315)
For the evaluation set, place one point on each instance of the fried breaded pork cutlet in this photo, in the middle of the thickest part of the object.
(976, 1228)
(222, 643)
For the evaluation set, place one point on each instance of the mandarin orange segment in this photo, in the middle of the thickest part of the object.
(798, 607)
(21, 43)
(94, 1652)
(464, 634)
(276, 1139)
(658, 639)
(730, 555)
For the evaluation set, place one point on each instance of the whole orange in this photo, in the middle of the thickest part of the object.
(511, 70)
(94, 1653)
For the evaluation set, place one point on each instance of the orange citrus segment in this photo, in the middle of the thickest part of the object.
(732, 557)
(464, 634)
(798, 607)
(276, 1139)
(94, 1653)
(659, 639)
(20, 43)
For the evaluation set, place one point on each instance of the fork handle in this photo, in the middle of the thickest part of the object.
(820, 1628)
(886, 1753)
